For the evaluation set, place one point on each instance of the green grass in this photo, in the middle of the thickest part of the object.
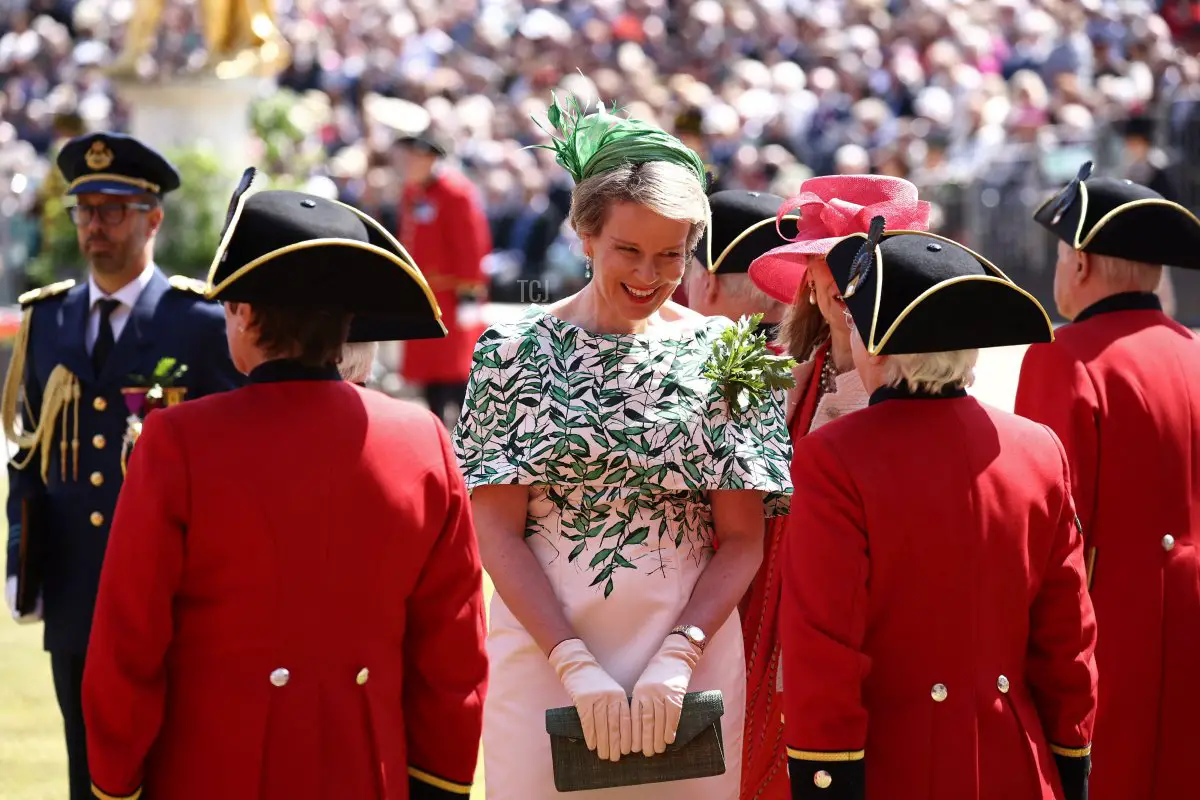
(33, 758)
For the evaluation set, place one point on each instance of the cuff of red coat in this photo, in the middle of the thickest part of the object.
(1074, 767)
(103, 795)
(828, 775)
(424, 785)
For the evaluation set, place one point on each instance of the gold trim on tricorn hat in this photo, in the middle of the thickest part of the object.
(917, 292)
(1122, 219)
(291, 249)
(744, 226)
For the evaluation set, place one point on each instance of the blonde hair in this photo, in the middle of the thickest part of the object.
(1125, 274)
(670, 190)
(357, 360)
(931, 372)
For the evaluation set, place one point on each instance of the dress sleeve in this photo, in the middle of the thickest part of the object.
(496, 440)
(751, 450)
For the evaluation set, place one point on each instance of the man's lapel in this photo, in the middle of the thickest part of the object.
(72, 340)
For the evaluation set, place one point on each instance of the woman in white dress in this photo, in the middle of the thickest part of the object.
(619, 499)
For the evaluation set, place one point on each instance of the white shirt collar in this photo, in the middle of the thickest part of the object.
(127, 294)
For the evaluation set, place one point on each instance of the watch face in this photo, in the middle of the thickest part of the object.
(695, 634)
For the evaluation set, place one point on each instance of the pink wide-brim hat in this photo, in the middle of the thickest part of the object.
(831, 208)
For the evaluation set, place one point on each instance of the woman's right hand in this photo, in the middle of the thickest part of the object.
(602, 703)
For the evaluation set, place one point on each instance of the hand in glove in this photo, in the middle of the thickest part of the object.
(602, 704)
(10, 597)
(658, 695)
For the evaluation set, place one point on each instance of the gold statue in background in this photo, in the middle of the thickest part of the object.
(240, 35)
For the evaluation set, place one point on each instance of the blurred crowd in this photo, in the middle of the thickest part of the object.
(770, 91)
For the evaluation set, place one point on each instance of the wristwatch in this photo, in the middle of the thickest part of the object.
(692, 634)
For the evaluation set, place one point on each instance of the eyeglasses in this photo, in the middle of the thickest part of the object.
(107, 213)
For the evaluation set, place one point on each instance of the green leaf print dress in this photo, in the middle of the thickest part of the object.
(620, 438)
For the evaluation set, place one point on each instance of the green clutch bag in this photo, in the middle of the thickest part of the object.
(697, 752)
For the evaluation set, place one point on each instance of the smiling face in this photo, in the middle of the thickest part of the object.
(638, 258)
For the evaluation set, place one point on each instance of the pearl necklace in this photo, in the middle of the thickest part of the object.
(829, 374)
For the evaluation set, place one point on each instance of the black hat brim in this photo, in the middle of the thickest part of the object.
(429, 144)
(959, 312)
(342, 276)
(1147, 229)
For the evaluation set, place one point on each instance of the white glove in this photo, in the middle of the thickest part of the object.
(10, 597)
(602, 703)
(658, 695)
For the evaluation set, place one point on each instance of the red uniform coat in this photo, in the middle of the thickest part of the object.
(291, 606)
(764, 757)
(444, 229)
(934, 611)
(1121, 387)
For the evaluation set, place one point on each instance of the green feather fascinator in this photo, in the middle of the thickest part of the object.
(592, 144)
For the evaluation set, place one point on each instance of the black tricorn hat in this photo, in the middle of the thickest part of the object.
(1141, 125)
(917, 292)
(1122, 219)
(743, 228)
(295, 250)
(430, 140)
(690, 119)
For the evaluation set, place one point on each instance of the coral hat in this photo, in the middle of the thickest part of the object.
(833, 207)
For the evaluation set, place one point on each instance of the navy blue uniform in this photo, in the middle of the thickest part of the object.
(170, 319)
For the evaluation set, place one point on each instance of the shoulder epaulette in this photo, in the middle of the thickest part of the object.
(186, 284)
(52, 290)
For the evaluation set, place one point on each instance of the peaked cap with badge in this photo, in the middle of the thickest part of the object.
(295, 250)
(744, 226)
(1122, 219)
(114, 163)
(917, 292)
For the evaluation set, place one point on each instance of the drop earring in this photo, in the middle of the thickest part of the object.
(587, 268)
(812, 297)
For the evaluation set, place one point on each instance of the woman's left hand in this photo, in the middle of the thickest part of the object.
(658, 695)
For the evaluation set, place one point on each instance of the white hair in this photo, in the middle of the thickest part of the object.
(357, 360)
(931, 372)
(742, 289)
(1124, 274)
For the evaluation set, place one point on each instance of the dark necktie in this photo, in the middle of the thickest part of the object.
(105, 339)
